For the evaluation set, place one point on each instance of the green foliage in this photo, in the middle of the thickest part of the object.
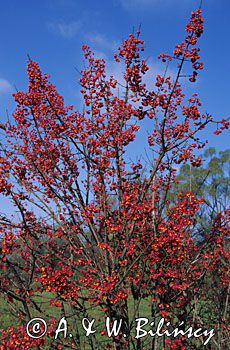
(210, 181)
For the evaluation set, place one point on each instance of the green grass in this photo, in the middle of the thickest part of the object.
(8, 316)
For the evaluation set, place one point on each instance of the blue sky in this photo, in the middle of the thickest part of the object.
(52, 32)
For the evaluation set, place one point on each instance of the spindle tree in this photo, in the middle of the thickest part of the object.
(95, 235)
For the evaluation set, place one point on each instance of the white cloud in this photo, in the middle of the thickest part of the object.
(117, 71)
(5, 86)
(101, 41)
(155, 67)
(66, 30)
